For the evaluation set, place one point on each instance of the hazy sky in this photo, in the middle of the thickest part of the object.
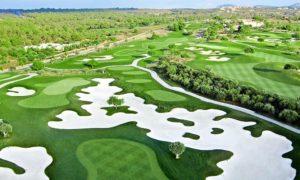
(29, 4)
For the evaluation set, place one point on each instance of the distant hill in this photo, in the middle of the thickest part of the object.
(225, 5)
(295, 6)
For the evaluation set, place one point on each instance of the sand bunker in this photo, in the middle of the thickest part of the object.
(218, 59)
(33, 160)
(101, 58)
(211, 52)
(193, 48)
(20, 91)
(253, 158)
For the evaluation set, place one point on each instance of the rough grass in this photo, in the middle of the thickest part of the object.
(217, 131)
(119, 109)
(118, 159)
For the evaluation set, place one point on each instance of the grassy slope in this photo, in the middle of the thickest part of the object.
(118, 159)
(241, 66)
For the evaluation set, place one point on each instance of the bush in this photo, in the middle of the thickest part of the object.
(90, 64)
(290, 66)
(289, 115)
(154, 36)
(249, 50)
(260, 39)
(37, 65)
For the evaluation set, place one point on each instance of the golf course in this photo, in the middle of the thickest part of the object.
(170, 105)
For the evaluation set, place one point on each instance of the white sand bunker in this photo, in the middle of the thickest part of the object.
(33, 160)
(20, 91)
(218, 59)
(211, 52)
(101, 58)
(254, 158)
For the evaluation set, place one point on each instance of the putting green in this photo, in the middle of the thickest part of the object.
(118, 159)
(137, 81)
(54, 95)
(162, 95)
(64, 86)
(134, 73)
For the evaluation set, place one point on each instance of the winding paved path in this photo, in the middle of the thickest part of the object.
(181, 90)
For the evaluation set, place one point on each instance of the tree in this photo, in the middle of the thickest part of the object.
(177, 148)
(37, 65)
(5, 129)
(115, 101)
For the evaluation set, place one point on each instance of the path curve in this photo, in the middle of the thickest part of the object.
(30, 75)
(155, 76)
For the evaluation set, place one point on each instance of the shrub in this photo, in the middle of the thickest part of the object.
(249, 50)
(260, 39)
(37, 65)
(290, 66)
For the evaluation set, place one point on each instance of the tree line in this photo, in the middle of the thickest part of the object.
(206, 83)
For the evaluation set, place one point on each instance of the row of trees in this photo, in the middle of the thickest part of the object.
(211, 85)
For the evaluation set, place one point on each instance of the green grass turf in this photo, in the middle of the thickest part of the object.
(54, 95)
(276, 72)
(7, 75)
(241, 67)
(121, 68)
(138, 81)
(161, 95)
(64, 86)
(134, 73)
(118, 159)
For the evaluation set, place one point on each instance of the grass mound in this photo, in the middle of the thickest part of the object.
(139, 81)
(129, 161)
(161, 95)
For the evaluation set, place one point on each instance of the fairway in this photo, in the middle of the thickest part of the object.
(160, 95)
(118, 159)
(54, 94)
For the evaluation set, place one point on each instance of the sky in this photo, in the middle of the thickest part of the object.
(164, 4)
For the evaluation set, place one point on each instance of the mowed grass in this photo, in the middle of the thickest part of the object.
(138, 81)
(54, 94)
(241, 66)
(118, 159)
(161, 95)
